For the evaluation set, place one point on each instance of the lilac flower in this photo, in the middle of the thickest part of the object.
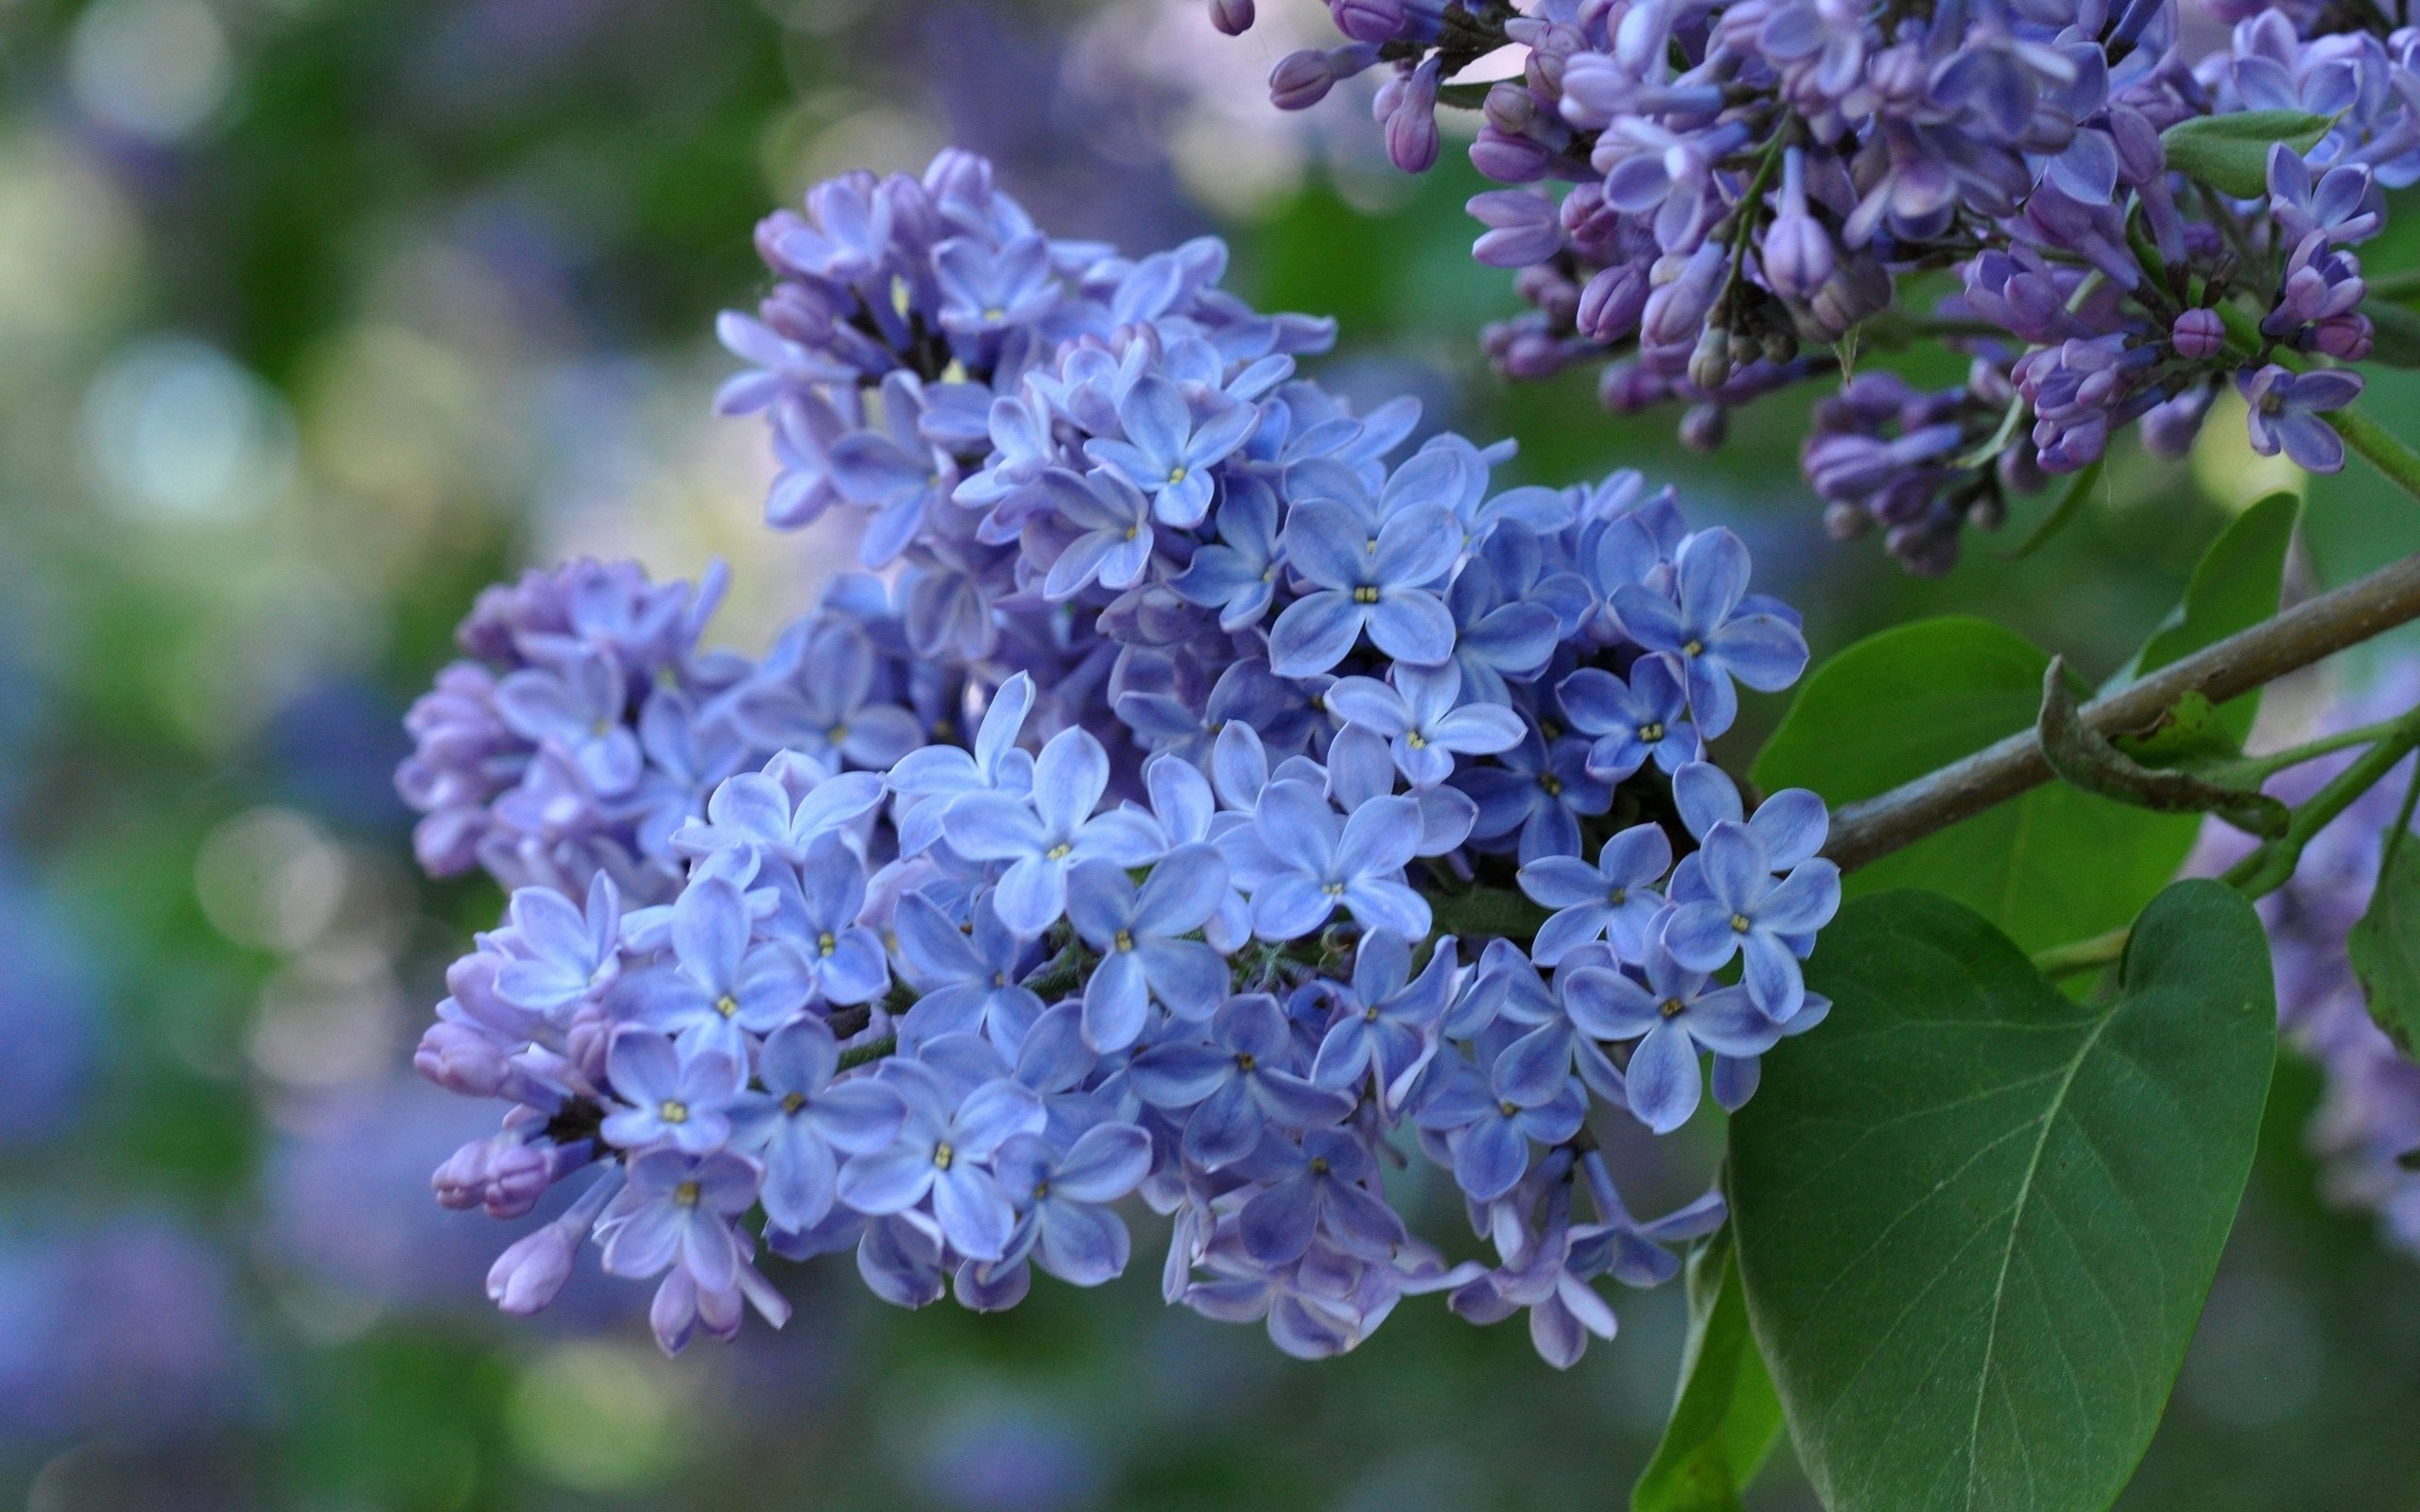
(1323, 1190)
(843, 958)
(942, 1150)
(2285, 408)
(986, 289)
(945, 771)
(1746, 912)
(1115, 545)
(1790, 824)
(1321, 863)
(1235, 1084)
(579, 708)
(1382, 586)
(803, 1121)
(1423, 720)
(969, 979)
(1613, 901)
(1065, 1219)
(1707, 637)
(756, 812)
(1168, 453)
(676, 1096)
(1238, 577)
(1044, 839)
(1633, 722)
(721, 982)
(824, 707)
(679, 1208)
(1675, 1015)
(894, 472)
(1542, 791)
(1491, 1124)
(1383, 1026)
(565, 956)
(1138, 935)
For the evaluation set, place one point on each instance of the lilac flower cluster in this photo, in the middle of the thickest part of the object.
(1160, 827)
(1751, 180)
(2368, 1124)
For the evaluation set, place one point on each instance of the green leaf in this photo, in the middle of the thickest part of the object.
(2384, 948)
(2054, 866)
(1726, 1417)
(2395, 330)
(1483, 912)
(2235, 586)
(2230, 153)
(1977, 1220)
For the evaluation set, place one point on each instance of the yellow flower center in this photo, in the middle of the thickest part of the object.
(943, 1154)
(687, 1193)
(673, 1111)
(726, 1005)
(1365, 595)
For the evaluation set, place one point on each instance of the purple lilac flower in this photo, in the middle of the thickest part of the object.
(939, 1001)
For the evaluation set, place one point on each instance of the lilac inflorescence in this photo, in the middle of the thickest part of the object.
(1701, 191)
(1120, 840)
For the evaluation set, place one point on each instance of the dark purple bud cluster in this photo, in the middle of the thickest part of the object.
(1707, 189)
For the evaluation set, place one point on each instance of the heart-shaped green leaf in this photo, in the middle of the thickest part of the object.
(1726, 1417)
(1977, 1220)
(2230, 153)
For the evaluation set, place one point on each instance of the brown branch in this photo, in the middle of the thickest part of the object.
(2308, 632)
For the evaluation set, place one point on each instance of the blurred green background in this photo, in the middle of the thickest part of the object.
(318, 315)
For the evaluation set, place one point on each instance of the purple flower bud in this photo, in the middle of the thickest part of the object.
(1796, 253)
(1524, 228)
(2197, 335)
(461, 1059)
(1233, 17)
(1710, 360)
(533, 1269)
(1859, 288)
(1612, 302)
(1511, 105)
(1370, 21)
(1508, 157)
(2346, 338)
(1301, 79)
(1412, 138)
(1704, 427)
(1676, 310)
(517, 1178)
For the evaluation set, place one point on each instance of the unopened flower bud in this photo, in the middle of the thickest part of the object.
(531, 1270)
(1710, 363)
(1301, 79)
(1704, 427)
(2197, 335)
(1233, 17)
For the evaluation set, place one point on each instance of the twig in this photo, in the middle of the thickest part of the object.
(2311, 630)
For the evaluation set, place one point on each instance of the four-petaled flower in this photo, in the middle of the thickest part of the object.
(803, 1121)
(1044, 838)
(1385, 584)
(1745, 911)
(675, 1096)
(1425, 723)
(1139, 936)
(1613, 901)
(1167, 451)
(1674, 1014)
(1706, 636)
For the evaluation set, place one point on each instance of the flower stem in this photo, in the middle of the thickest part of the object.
(2082, 955)
(2270, 868)
(2399, 464)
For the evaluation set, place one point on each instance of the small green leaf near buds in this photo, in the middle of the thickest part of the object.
(2230, 153)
